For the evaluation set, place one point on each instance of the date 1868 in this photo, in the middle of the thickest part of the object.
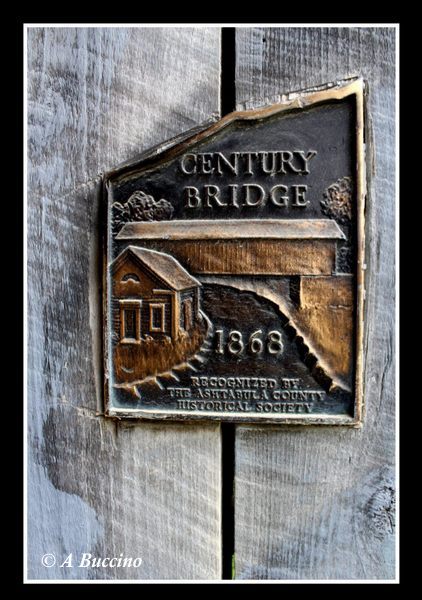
(257, 343)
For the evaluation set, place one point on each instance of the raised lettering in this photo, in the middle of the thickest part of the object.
(306, 159)
(299, 195)
(212, 192)
(233, 198)
(248, 159)
(193, 199)
(205, 163)
(186, 159)
(268, 162)
(249, 201)
(286, 159)
(221, 159)
(277, 197)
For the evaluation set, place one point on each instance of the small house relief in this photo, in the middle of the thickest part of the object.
(156, 307)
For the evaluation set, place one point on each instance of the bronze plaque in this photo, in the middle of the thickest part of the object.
(233, 271)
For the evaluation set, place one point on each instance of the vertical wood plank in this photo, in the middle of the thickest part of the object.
(319, 503)
(97, 97)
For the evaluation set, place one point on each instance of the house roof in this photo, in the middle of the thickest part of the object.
(233, 229)
(163, 265)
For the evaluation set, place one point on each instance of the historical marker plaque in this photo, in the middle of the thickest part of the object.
(233, 281)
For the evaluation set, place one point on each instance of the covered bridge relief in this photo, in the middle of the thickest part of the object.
(289, 262)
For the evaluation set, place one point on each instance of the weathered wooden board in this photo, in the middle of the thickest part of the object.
(319, 504)
(97, 97)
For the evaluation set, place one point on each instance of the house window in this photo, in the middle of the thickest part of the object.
(156, 317)
(130, 321)
(131, 276)
(187, 315)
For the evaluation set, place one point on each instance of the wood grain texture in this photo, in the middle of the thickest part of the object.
(319, 504)
(97, 97)
(326, 315)
(252, 257)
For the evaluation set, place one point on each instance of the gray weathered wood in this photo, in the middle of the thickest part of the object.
(97, 97)
(319, 503)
